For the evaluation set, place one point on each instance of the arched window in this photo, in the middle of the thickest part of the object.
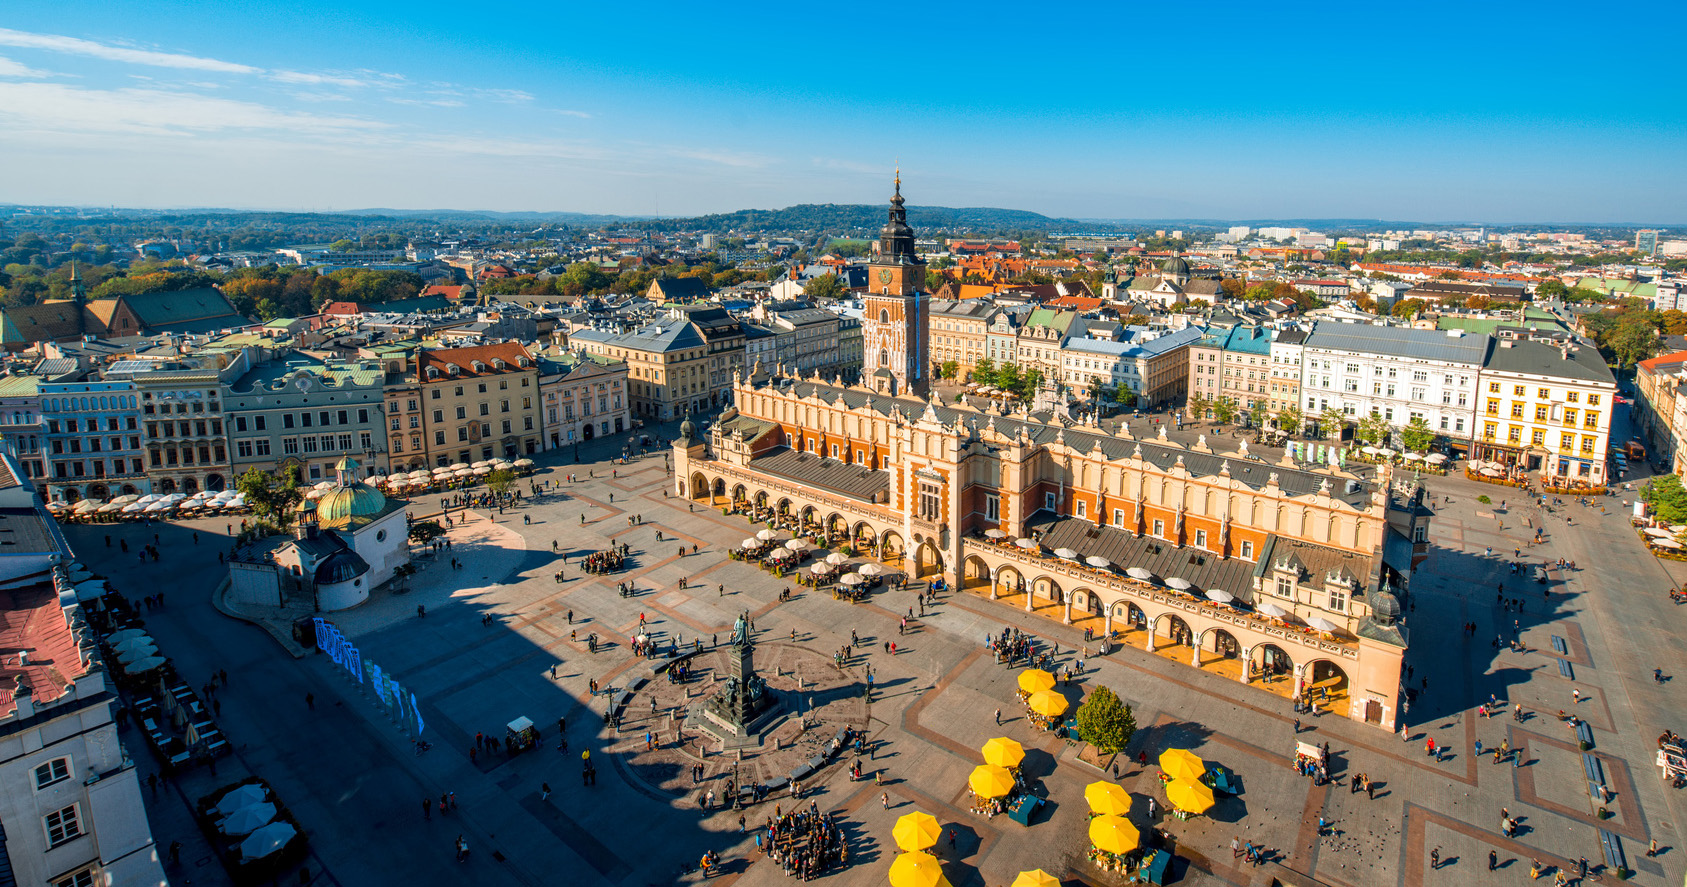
(884, 358)
(884, 315)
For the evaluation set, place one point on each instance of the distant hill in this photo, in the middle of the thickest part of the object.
(487, 215)
(843, 217)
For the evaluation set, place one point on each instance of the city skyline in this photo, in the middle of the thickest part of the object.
(375, 105)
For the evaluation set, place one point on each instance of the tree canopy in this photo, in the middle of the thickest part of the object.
(1105, 721)
(1667, 498)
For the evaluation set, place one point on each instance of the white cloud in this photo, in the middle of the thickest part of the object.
(56, 108)
(430, 103)
(511, 96)
(567, 113)
(741, 161)
(20, 71)
(77, 46)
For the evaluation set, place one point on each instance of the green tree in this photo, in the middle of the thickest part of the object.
(271, 496)
(1407, 308)
(1029, 384)
(950, 369)
(1198, 407)
(1417, 435)
(1551, 289)
(1331, 422)
(1224, 410)
(423, 532)
(1290, 419)
(1105, 721)
(500, 481)
(985, 372)
(1373, 429)
(1667, 498)
(1634, 340)
(825, 288)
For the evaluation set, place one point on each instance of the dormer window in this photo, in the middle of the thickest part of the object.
(453, 369)
(433, 372)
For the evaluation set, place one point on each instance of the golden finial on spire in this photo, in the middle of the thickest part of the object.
(898, 176)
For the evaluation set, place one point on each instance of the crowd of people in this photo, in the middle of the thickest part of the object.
(805, 843)
(1011, 646)
(601, 562)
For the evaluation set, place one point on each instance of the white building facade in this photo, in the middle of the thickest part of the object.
(1396, 373)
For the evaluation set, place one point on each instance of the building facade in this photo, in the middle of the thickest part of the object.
(22, 431)
(70, 795)
(958, 332)
(93, 443)
(1547, 407)
(475, 404)
(582, 398)
(672, 369)
(1395, 373)
(302, 413)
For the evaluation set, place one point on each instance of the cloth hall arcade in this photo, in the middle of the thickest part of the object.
(1284, 578)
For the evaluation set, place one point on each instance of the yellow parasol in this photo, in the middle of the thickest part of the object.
(1182, 764)
(1036, 878)
(916, 870)
(1003, 752)
(1114, 834)
(990, 781)
(1189, 796)
(917, 831)
(1048, 703)
(1107, 799)
(1033, 679)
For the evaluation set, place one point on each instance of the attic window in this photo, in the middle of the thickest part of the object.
(433, 372)
(478, 366)
(453, 369)
(498, 362)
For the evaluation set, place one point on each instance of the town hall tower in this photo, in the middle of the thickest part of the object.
(894, 325)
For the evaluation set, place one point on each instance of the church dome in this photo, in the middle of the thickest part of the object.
(351, 503)
(341, 566)
(1385, 608)
(1176, 266)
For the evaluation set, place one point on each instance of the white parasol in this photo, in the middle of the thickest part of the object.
(1322, 624)
(1220, 595)
(994, 533)
(822, 568)
(1140, 573)
(750, 543)
(1435, 458)
(244, 796)
(1179, 583)
(850, 579)
(797, 545)
(767, 535)
(870, 569)
(267, 840)
(1025, 542)
(1066, 553)
(247, 819)
(837, 558)
(1097, 561)
(1272, 610)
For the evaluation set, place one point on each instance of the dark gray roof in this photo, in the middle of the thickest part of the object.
(1396, 341)
(1158, 556)
(1542, 358)
(857, 481)
(1251, 471)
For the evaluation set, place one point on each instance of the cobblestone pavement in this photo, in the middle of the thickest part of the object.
(352, 779)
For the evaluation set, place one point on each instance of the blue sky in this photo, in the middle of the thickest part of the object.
(1471, 111)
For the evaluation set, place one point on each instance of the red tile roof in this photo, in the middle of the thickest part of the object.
(342, 308)
(449, 292)
(511, 353)
(32, 622)
(1663, 360)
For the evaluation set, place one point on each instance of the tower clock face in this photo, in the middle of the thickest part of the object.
(884, 276)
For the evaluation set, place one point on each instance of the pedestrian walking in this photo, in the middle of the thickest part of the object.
(998, 717)
(884, 800)
(1576, 694)
(1435, 855)
(1493, 860)
(544, 790)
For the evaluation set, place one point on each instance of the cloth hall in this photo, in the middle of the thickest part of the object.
(1288, 579)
